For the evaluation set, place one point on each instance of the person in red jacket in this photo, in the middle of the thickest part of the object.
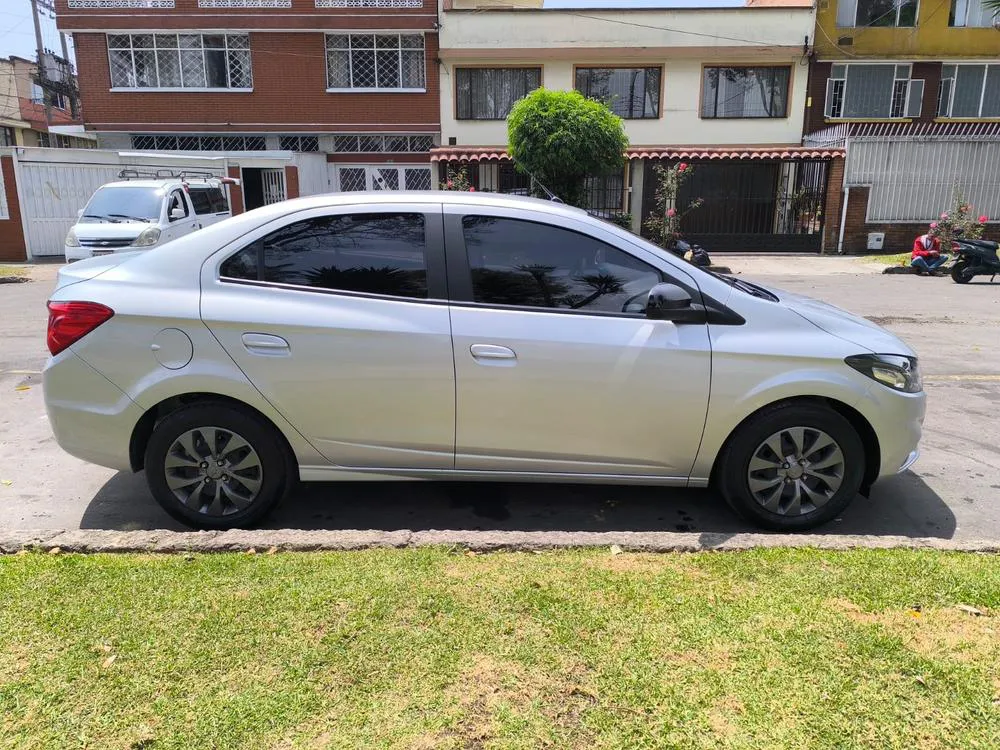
(927, 256)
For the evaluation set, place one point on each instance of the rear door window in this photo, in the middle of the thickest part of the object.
(208, 200)
(381, 253)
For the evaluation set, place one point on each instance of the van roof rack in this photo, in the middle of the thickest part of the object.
(167, 174)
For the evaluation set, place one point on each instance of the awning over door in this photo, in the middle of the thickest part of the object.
(739, 153)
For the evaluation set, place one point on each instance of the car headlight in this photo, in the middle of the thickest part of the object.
(71, 238)
(892, 370)
(147, 237)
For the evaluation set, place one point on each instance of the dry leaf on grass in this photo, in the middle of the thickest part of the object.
(970, 610)
(615, 549)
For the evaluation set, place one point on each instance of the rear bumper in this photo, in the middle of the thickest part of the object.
(91, 418)
(76, 253)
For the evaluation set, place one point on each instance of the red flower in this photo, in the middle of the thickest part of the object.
(449, 184)
(472, 190)
(983, 219)
(681, 167)
(672, 212)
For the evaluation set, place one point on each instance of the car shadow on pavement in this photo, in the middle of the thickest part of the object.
(900, 506)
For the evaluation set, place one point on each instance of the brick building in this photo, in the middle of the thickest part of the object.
(354, 79)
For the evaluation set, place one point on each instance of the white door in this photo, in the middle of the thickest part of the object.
(273, 181)
(354, 178)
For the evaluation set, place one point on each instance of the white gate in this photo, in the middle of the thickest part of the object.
(53, 184)
(273, 184)
(353, 178)
(51, 194)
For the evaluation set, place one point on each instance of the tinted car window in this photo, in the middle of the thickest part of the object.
(524, 263)
(208, 200)
(200, 201)
(177, 201)
(371, 253)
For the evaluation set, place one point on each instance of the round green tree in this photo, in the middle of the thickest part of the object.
(561, 138)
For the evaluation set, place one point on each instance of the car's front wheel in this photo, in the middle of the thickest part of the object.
(792, 467)
(213, 466)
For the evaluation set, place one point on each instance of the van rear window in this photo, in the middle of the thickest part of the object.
(208, 200)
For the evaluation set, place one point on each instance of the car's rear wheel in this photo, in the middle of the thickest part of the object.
(213, 466)
(792, 468)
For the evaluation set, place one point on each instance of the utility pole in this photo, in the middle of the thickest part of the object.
(40, 49)
(73, 109)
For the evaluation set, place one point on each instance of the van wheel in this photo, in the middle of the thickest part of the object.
(213, 466)
(792, 467)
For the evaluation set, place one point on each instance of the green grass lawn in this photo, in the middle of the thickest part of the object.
(436, 649)
(890, 259)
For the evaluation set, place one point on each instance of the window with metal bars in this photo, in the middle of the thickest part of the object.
(631, 93)
(383, 62)
(490, 93)
(971, 13)
(867, 13)
(373, 144)
(744, 92)
(151, 142)
(969, 91)
(298, 143)
(873, 91)
(180, 61)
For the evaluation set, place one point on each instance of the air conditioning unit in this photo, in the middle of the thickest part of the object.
(876, 240)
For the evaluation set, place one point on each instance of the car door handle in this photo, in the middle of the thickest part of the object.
(266, 344)
(492, 353)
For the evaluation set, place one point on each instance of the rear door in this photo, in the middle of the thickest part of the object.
(210, 204)
(339, 317)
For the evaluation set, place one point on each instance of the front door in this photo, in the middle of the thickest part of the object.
(558, 371)
(339, 319)
(178, 227)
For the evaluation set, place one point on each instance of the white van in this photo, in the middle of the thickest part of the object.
(140, 214)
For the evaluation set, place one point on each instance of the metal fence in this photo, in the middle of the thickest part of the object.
(913, 171)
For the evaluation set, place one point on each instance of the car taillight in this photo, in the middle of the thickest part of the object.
(71, 321)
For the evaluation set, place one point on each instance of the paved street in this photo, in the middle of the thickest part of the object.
(954, 492)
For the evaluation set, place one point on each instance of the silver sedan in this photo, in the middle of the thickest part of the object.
(453, 336)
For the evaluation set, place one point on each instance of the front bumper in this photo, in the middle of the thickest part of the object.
(897, 419)
(91, 418)
(76, 253)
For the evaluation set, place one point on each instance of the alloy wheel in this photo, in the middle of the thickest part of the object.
(213, 471)
(795, 471)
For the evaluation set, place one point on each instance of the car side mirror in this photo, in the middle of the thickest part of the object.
(176, 213)
(671, 302)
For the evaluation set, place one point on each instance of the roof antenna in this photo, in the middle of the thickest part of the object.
(551, 196)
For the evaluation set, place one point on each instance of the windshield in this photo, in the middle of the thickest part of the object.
(124, 204)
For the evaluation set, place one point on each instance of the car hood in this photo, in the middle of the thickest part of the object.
(842, 324)
(125, 230)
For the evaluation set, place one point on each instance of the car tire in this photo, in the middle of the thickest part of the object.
(215, 466)
(960, 273)
(825, 472)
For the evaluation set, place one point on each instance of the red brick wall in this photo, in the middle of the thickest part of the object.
(289, 78)
(833, 207)
(235, 192)
(349, 158)
(302, 15)
(898, 237)
(12, 245)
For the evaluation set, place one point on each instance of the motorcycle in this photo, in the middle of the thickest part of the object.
(975, 258)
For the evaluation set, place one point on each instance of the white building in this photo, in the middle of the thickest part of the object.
(722, 82)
